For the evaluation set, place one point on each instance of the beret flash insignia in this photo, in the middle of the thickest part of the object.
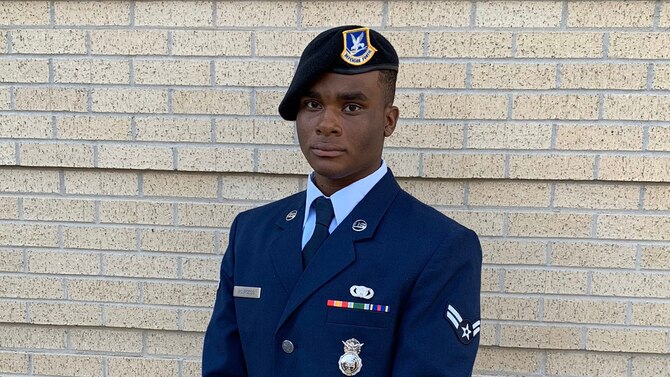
(357, 48)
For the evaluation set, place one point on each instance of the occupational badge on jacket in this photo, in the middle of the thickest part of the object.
(465, 331)
(350, 363)
(357, 48)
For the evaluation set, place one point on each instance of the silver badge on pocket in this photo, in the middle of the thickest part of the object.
(350, 363)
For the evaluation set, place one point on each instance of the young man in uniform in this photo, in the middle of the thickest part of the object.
(352, 276)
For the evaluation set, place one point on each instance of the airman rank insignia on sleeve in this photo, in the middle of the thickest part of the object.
(465, 331)
(357, 48)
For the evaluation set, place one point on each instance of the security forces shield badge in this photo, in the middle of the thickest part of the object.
(357, 48)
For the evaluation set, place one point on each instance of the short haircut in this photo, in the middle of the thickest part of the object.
(387, 81)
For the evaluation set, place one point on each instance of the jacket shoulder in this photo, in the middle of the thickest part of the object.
(272, 210)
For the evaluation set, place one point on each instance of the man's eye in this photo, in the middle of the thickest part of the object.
(312, 105)
(350, 108)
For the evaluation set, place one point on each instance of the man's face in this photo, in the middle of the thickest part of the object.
(342, 123)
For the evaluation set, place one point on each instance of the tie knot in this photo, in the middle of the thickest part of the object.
(324, 211)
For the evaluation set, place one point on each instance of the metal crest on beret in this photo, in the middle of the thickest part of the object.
(357, 47)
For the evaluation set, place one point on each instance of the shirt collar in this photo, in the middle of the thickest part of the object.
(345, 199)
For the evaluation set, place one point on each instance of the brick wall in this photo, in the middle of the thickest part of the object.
(132, 132)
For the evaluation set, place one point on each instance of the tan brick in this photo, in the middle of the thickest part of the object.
(254, 131)
(51, 99)
(201, 268)
(510, 308)
(12, 312)
(597, 196)
(655, 258)
(67, 155)
(253, 73)
(435, 192)
(551, 167)
(28, 180)
(560, 45)
(334, 13)
(651, 314)
(13, 362)
(508, 194)
(661, 76)
(140, 266)
(488, 334)
(282, 43)
(587, 364)
(134, 157)
(24, 71)
(483, 223)
(429, 13)
(104, 340)
(103, 291)
(555, 107)
(9, 208)
(11, 260)
(211, 102)
(7, 154)
(71, 365)
(469, 106)
(191, 368)
(659, 138)
(596, 137)
(180, 241)
(513, 252)
(664, 19)
(612, 14)
(631, 284)
(519, 14)
(431, 75)
(100, 183)
(490, 280)
(406, 43)
(141, 317)
(545, 281)
(439, 136)
(257, 13)
(124, 367)
(99, 238)
(174, 13)
(128, 42)
(196, 320)
(597, 255)
(23, 126)
(514, 76)
(470, 44)
(267, 102)
(645, 341)
(4, 99)
(93, 128)
(636, 107)
(28, 235)
(135, 212)
(403, 164)
(31, 287)
(92, 71)
(549, 225)
(179, 294)
(258, 187)
(63, 263)
(130, 100)
(408, 103)
(634, 168)
(639, 45)
(211, 43)
(634, 227)
(172, 72)
(215, 159)
(39, 337)
(92, 13)
(496, 359)
(48, 41)
(179, 344)
(24, 13)
(644, 365)
(282, 161)
(509, 136)
(463, 166)
(3, 43)
(175, 130)
(604, 76)
(584, 311)
(65, 314)
(180, 185)
(539, 337)
(213, 215)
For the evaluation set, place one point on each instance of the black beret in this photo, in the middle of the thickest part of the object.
(345, 50)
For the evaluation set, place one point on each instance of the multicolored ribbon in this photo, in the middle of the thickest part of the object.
(359, 306)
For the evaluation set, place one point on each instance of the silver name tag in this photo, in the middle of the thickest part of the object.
(246, 292)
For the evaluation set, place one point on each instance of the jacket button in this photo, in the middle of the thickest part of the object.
(287, 346)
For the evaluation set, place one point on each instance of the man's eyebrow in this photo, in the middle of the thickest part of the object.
(312, 94)
(352, 96)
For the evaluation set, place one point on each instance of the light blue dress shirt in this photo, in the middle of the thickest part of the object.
(344, 200)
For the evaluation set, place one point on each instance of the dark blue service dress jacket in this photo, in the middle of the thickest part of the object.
(423, 267)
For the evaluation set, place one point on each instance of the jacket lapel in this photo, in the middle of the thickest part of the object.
(285, 247)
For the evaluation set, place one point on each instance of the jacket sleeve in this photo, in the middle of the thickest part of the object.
(439, 323)
(222, 354)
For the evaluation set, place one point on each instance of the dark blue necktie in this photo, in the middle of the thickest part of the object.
(324, 215)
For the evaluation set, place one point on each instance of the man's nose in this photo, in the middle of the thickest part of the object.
(329, 122)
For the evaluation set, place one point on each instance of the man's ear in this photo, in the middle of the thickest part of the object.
(391, 117)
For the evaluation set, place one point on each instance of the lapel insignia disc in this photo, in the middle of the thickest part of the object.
(359, 225)
(291, 215)
(357, 47)
(361, 291)
(350, 363)
(465, 331)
